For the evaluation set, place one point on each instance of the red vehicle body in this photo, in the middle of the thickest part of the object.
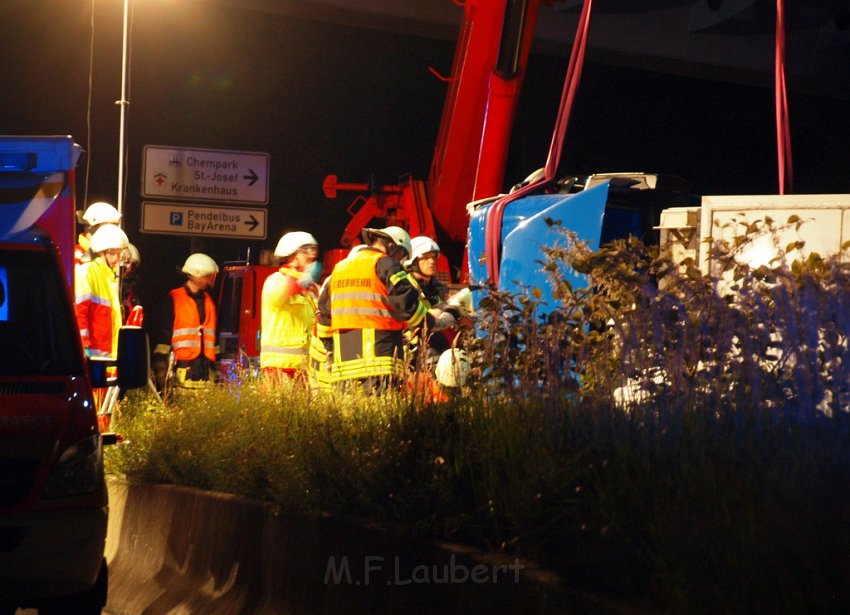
(53, 501)
(471, 150)
(469, 159)
(239, 316)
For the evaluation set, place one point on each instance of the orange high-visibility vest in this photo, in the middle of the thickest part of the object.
(190, 336)
(358, 297)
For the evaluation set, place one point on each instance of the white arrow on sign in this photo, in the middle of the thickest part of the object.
(205, 175)
(203, 220)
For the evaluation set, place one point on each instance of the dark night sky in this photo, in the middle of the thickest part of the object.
(323, 98)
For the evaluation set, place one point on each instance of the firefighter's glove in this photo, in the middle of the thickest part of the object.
(315, 271)
(310, 275)
(454, 311)
(442, 320)
(305, 280)
(159, 365)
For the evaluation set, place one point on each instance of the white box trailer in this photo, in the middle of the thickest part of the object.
(824, 227)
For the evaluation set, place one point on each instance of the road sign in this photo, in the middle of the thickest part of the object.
(204, 220)
(205, 175)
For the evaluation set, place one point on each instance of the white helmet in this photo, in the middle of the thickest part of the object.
(396, 234)
(131, 256)
(108, 237)
(199, 265)
(452, 368)
(421, 245)
(101, 213)
(290, 243)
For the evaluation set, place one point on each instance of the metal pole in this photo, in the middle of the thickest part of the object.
(122, 103)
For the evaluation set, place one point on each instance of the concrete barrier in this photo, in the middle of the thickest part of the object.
(179, 550)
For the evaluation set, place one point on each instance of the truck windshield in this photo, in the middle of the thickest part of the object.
(37, 326)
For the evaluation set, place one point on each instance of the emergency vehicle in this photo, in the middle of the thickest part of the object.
(53, 499)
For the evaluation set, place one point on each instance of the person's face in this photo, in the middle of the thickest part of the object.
(112, 257)
(428, 264)
(204, 282)
(305, 256)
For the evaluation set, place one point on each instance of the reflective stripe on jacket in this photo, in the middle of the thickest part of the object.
(358, 297)
(98, 307)
(286, 322)
(361, 353)
(189, 335)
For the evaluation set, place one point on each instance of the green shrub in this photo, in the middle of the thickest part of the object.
(657, 437)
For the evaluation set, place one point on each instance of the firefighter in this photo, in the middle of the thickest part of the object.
(131, 260)
(96, 286)
(422, 267)
(367, 303)
(98, 306)
(94, 216)
(193, 323)
(320, 373)
(289, 307)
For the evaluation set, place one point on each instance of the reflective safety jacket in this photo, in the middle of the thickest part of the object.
(287, 321)
(190, 336)
(82, 251)
(359, 298)
(98, 307)
(367, 303)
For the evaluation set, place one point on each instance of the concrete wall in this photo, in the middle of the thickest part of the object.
(179, 550)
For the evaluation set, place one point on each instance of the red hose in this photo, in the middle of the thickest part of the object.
(783, 125)
(493, 226)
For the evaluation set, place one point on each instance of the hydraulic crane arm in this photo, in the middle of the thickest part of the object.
(487, 74)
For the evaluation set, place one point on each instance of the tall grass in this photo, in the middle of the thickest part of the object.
(653, 439)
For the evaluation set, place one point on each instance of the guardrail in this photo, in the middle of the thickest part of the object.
(180, 550)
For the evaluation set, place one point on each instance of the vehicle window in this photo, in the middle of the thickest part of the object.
(37, 326)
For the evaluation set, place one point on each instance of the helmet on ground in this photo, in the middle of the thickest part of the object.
(108, 237)
(421, 245)
(131, 255)
(199, 265)
(452, 368)
(101, 213)
(290, 243)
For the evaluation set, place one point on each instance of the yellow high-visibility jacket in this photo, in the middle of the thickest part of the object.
(98, 307)
(287, 321)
